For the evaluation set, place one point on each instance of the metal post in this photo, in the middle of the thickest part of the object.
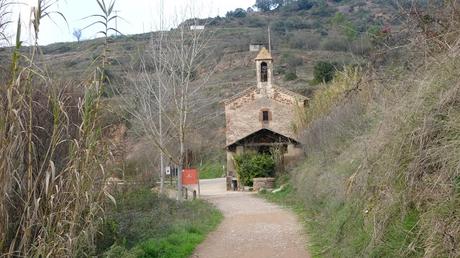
(269, 40)
(179, 183)
(186, 193)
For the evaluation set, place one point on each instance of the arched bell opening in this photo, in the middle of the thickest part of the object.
(263, 72)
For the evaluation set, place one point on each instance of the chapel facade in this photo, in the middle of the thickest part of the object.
(261, 117)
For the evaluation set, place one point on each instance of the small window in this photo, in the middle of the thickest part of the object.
(265, 116)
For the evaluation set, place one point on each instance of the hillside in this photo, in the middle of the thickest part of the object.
(381, 175)
(300, 39)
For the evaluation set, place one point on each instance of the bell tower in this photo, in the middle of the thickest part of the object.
(264, 67)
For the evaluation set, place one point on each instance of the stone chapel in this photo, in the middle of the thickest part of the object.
(261, 116)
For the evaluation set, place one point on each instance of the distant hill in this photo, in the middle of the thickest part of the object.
(333, 31)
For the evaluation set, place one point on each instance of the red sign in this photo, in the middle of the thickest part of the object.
(190, 176)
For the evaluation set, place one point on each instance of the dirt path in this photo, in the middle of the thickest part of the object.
(251, 228)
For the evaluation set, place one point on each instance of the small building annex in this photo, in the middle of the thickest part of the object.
(261, 116)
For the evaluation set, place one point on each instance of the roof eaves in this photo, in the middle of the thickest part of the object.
(291, 93)
(255, 131)
(238, 95)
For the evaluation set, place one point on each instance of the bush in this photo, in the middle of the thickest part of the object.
(268, 5)
(322, 9)
(251, 165)
(335, 44)
(279, 26)
(347, 28)
(324, 71)
(238, 13)
(304, 5)
(255, 21)
(304, 40)
(290, 76)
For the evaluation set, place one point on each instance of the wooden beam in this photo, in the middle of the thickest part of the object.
(265, 144)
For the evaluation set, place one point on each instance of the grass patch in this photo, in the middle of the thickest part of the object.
(144, 224)
(211, 170)
(341, 227)
(400, 236)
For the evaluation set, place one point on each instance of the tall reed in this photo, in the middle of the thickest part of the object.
(51, 156)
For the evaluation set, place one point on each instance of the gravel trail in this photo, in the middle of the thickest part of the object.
(252, 227)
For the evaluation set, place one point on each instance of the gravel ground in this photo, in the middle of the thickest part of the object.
(252, 227)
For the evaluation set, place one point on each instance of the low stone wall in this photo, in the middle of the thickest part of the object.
(263, 183)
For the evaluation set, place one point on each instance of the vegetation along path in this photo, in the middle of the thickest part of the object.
(252, 227)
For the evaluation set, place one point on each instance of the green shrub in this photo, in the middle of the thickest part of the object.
(304, 4)
(322, 9)
(324, 71)
(290, 76)
(251, 165)
(347, 28)
(237, 13)
(299, 5)
(267, 5)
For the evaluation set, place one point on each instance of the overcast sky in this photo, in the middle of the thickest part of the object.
(139, 15)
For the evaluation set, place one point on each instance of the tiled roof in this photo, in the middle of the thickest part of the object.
(290, 93)
(250, 89)
(264, 55)
(238, 95)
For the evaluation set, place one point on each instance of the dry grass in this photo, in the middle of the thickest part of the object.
(414, 166)
(387, 186)
(329, 96)
(51, 158)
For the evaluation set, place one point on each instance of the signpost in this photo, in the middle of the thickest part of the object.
(168, 170)
(190, 176)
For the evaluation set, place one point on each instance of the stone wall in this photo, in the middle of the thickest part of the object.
(243, 114)
(263, 183)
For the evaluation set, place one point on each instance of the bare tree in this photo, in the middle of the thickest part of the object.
(77, 34)
(166, 92)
